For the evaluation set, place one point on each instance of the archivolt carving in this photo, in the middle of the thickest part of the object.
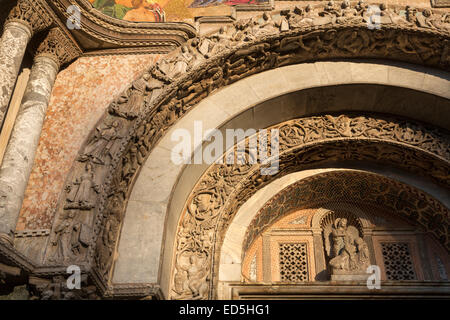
(303, 142)
(204, 64)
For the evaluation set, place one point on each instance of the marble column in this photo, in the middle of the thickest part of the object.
(25, 19)
(13, 44)
(18, 160)
(19, 155)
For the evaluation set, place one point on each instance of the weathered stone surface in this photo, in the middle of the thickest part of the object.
(19, 156)
(81, 93)
(12, 49)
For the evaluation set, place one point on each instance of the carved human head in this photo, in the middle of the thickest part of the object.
(427, 13)
(342, 223)
(203, 201)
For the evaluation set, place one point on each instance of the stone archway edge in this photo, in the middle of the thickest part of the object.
(152, 191)
(167, 96)
(224, 188)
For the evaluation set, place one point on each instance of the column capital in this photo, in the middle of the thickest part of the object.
(30, 14)
(58, 47)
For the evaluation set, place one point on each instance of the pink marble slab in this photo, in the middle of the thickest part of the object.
(80, 96)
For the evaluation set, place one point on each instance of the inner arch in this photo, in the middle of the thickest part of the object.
(257, 102)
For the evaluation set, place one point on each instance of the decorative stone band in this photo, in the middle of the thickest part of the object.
(139, 118)
(305, 143)
(31, 14)
(32, 233)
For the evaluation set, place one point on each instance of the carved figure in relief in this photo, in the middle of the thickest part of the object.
(80, 193)
(106, 242)
(215, 44)
(128, 106)
(103, 144)
(62, 239)
(177, 65)
(203, 206)
(346, 250)
(191, 276)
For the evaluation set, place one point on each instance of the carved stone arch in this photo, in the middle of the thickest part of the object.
(228, 203)
(168, 93)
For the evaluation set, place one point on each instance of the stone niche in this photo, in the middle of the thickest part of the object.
(338, 243)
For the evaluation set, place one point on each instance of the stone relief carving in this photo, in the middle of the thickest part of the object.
(56, 289)
(346, 250)
(79, 194)
(57, 46)
(191, 73)
(191, 276)
(129, 105)
(32, 14)
(104, 144)
(105, 255)
(296, 133)
(70, 239)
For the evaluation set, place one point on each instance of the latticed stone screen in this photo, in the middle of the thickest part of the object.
(397, 261)
(293, 262)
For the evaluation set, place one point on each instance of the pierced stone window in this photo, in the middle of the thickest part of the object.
(293, 262)
(397, 261)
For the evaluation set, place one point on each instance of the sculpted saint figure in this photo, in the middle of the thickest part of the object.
(104, 143)
(79, 196)
(128, 106)
(62, 238)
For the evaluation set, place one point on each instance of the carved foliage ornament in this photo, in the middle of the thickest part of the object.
(58, 47)
(204, 64)
(32, 14)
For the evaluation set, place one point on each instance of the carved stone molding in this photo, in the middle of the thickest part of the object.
(101, 32)
(137, 120)
(57, 47)
(440, 3)
(32, 14)
(224, 188)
